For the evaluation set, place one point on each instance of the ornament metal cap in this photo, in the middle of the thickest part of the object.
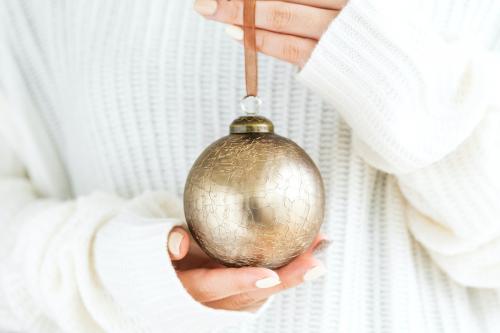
(251, 124)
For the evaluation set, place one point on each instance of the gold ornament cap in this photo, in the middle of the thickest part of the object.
(251, 124)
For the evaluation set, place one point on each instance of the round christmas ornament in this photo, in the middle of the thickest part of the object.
(253, 198)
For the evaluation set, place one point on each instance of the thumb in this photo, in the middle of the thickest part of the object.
(178, 243)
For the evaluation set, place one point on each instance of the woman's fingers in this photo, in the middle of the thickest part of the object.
(178, 243)
(208, 285)
(278, 16)
(292, 49)
(291, 276)
(304, 268)
(237, 288)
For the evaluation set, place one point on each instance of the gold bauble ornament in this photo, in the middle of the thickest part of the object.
(254, 198)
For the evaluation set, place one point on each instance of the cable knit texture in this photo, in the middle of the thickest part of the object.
(106, 104)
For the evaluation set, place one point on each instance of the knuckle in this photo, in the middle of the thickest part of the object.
(260, 303)
(234, 11)
(280, 17)
(255, 306)
(243, 300)
(206, 291)
(292, 52)
(206, 294)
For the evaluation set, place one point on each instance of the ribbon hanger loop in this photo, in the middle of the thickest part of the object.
(250, 44)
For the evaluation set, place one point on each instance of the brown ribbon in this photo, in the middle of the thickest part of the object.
(250, 47)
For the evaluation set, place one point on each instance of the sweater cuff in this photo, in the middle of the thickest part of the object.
(410, 96)
(132, 262)
(472, 261)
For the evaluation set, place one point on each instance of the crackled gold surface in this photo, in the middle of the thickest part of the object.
(254, 199)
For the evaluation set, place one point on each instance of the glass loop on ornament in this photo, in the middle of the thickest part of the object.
(251, 105)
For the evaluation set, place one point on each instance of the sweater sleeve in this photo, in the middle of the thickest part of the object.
(98, 263)
(455, 207)
(410, 95)
(422, 107)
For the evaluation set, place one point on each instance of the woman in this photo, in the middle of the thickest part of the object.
(106, 104)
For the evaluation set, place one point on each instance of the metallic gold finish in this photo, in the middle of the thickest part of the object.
(251, 124)
(254, 198)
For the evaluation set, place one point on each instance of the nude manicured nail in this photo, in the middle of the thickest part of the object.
(234, 32)
(205, 7)
(315, 272)
(174, 243)
(268, 282)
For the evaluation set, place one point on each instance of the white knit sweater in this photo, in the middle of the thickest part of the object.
(106, 104)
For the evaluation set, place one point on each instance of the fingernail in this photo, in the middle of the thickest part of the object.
(234, 32)
(315, 272)
(205, 7)
(174, 243)
(268, 282)
(322, 246)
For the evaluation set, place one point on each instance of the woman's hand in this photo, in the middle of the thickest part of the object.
(288, 30)
(245, 288)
